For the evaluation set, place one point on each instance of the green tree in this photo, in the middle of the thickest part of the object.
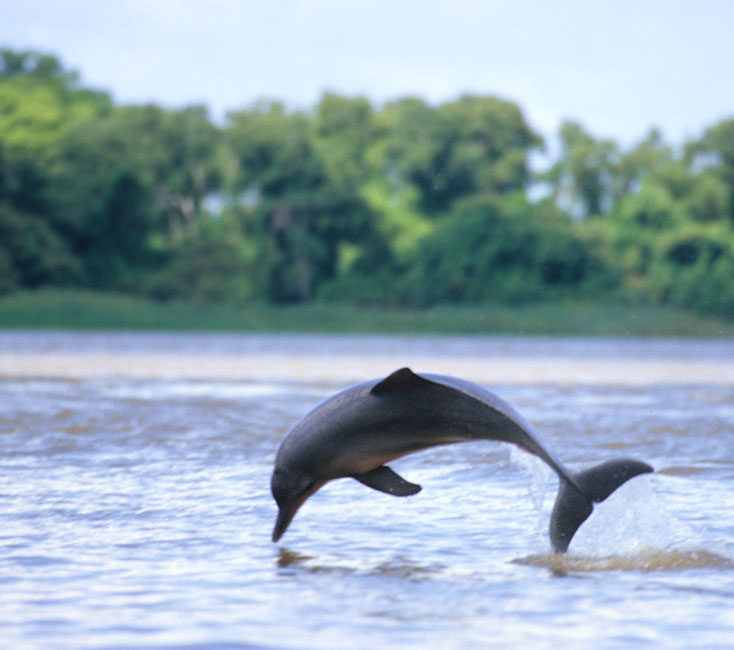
(39, 103)
(472, 145)
(398, 160)
(504, 250)
(707, 199)
(628, 168)
(490, 152)
(341, 131)
(582, 178)
(424, 159)
(715, 151)
(278, 175)
(32, 253)
(129, 187)
(673, 240)
(220, 264)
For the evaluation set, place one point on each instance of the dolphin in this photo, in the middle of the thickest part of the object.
(355, 432)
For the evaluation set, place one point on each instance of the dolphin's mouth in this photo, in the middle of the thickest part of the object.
(285, 515)
(289, 510)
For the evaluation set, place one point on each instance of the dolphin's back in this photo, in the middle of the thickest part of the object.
(503, 422)
(483, 395)
(384, 419)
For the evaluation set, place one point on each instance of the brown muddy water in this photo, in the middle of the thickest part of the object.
(135, 509)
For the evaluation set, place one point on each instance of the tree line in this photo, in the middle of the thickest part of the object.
(407, 203)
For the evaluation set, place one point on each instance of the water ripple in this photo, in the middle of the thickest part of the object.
(136, 513)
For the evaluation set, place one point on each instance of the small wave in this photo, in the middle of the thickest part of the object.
(183, 389)
(682, 470)
(36, 560)
(395, 567)
(644, 560)
(191, 389)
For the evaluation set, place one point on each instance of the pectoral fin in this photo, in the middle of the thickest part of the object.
(385, 480)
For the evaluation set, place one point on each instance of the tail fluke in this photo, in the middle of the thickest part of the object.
(574, 505)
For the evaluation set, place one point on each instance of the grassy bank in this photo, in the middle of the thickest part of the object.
(93, 311)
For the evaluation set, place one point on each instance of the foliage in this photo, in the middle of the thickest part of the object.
(581, 177)
(511, 251)
(220, 264)
(402, 204)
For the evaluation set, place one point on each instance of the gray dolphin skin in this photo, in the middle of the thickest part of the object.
(355, 432)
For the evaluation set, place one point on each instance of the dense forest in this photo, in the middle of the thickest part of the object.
(406, 203)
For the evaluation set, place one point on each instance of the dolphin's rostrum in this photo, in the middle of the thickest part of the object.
(355, 432)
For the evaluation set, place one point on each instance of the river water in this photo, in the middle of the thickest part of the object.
(135, 509)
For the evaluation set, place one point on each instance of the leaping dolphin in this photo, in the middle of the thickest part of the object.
(355, 432)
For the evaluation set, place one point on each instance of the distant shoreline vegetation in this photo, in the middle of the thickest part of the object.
(409, 207)
(85, 310)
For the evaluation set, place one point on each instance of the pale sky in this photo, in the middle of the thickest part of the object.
(617, 66)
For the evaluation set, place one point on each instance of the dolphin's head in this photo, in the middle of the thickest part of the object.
(290, 487)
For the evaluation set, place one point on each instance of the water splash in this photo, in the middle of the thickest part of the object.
(633, 529)
(542, 483)
(645, 559)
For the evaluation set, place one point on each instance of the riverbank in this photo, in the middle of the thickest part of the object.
(81, 310)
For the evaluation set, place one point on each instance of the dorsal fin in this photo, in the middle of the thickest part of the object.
(400, 381)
